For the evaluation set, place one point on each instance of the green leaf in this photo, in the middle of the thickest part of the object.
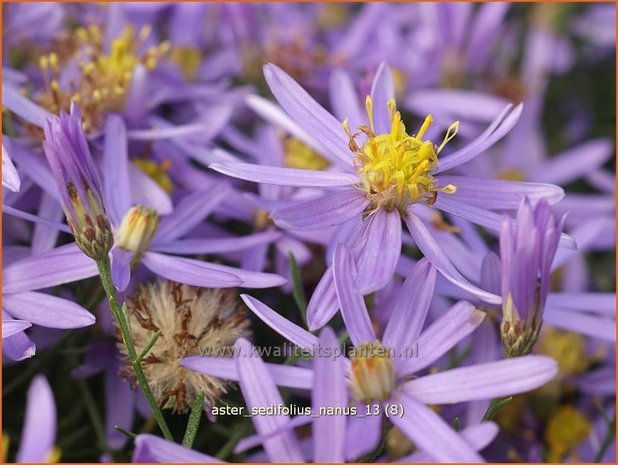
(495, 406)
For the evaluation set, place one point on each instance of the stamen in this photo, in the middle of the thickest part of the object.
(451, 132)
(369, 108)
(424, 127)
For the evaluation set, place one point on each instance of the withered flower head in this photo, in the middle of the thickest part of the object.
(193, 321)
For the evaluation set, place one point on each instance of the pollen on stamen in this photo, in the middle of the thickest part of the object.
(192, 321)
(104, 78)
(396, 168)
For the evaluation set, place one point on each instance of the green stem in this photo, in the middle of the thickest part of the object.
(125, 331)
(194, 420)
(95, 418)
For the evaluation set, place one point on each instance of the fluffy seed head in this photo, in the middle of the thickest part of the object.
(193, 321)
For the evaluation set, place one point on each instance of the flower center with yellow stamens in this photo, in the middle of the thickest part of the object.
(298, 155)
(567, 348)
(104, 77)
(188, 60)
(396, 168)
(137, 229)
(565, 430)
(372, 376)
(157, 172)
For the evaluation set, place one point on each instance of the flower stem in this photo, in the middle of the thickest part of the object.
(194, 420)
(125, 331)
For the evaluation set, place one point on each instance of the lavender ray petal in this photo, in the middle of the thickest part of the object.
(47, 310)
(484, 381)
(353, 309)
(285, 176)
(283, 326)
(38, 434)
(323, 212)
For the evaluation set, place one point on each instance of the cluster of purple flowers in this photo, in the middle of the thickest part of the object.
(392, 192)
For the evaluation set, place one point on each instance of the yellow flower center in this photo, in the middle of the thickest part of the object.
(6, 442)
(373, 376)
(188, 60)
(137, 229)
(105, 78)
(396, 168)
(567, 348)
(565, 430)
(299, 155)
(157, 172)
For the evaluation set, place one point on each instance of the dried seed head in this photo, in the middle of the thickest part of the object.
(192, 321)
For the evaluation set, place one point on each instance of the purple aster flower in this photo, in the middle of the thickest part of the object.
(71, 163)
(527, 251)
(38, 434)
(379, 374)
(143, 235)
(388, 175)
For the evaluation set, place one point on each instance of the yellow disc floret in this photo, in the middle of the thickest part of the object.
(372, 377)
(565, 430)
(396, 167)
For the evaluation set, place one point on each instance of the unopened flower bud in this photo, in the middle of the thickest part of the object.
(73, 168)
(526, 251)
(137, 229)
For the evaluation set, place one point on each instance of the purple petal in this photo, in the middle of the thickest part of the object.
(484, 381)
(583, 323)
(58, 266)
(323, 212)
(38, 434)
(259, 390)
(275, 115)
(23, 107)
(602, 303)
(353, 309)
(225, 368)
(431, 433)
(283, 326)
(121, 267)
(330, 389)
(153, 449)
(496, 131)
(18, 347)
(44, 237)
(442, 336)
(478, 437)
(145, 191)
(119, 406)
(285, 176)
(47, 310)
(116, 184)
(10, 177)
(190, 212)
(344, 99)
(11, 327)
(574, 163)
(410, 310)
(363, 434)
(302, 108)
(503, 195)
(323, 303)
(380, 252)
(185, 270)
(382, 90)
(227, 244)
(434, 253)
